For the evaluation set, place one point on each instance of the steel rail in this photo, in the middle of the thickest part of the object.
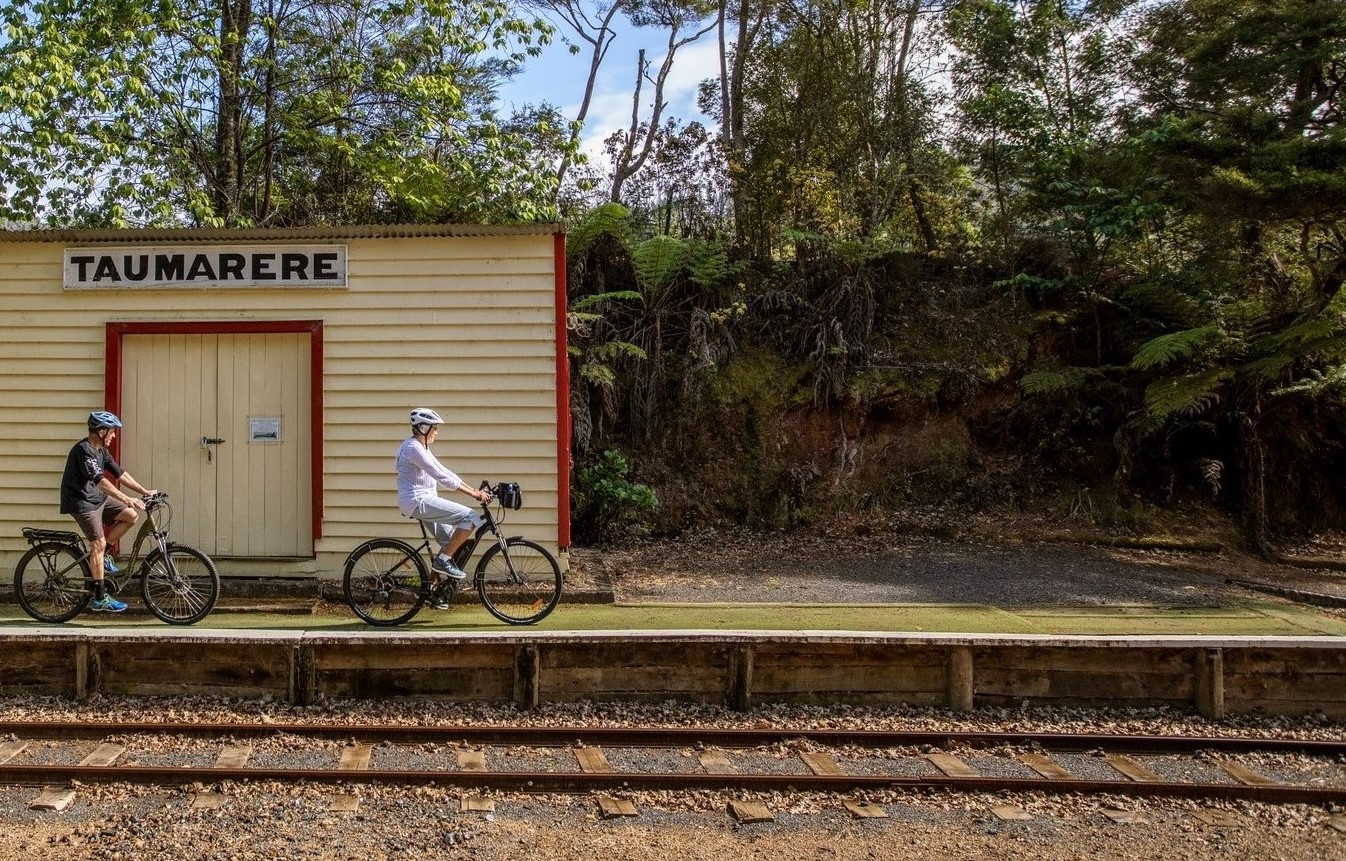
(574, 782)
(564, 736)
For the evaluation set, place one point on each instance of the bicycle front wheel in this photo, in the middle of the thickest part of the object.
(180, 587)
(384, 581)
(50, 582)
(519, 584)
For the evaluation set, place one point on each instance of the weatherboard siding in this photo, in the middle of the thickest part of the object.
(465, 325)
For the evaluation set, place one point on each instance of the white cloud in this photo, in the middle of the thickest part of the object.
(557, 77)
(610, 108)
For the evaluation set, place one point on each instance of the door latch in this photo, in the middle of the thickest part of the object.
(207, 442)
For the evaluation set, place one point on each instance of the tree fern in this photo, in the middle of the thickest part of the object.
(1164, 302)
(1166, 349)
(1185, 396)
(709, 266)
(610, 218)
(657, 262)
(1048, 382)
(1316, 382)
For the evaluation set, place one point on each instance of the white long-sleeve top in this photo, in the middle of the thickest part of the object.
(419, 475)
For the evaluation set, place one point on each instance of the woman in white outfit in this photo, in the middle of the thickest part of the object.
(419, 477)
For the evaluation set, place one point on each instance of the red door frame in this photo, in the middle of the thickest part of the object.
(112, 374)
(562, 396)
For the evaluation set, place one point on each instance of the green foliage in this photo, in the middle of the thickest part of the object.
(1167, 349)
(1027, 285)
(1185, 397)
(658, 260)
(607, 500)
(200, 112)
(609, 219)
(1052, 382)
(840, 130)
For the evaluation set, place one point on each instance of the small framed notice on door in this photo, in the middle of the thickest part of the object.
(264, 429)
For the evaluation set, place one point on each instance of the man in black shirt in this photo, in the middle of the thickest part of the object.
(91, 493)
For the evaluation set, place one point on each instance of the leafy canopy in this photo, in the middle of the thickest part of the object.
(274, 112)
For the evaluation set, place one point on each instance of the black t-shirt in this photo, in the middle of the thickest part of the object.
(84, 468)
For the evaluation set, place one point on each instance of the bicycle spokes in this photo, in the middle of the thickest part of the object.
(519, 581)
(49, 582)
(384, 583)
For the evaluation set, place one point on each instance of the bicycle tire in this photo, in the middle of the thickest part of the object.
(383, 581)
(520, 587)
(51, 582)
(181, 589)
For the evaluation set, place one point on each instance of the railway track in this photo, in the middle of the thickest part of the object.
(628, 759)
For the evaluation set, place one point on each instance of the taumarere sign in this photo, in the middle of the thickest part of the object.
(233, 266)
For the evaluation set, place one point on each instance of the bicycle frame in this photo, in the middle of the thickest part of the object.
(464, 553)
(148, 529)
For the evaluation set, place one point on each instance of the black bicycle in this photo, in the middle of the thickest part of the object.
(387, 580)
(179, 584)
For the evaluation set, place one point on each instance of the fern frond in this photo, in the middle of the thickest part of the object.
(1269, 367)
(657, 261)
(1164, 302)
(1185, 396)
(609, 350)
(584, 302)
(1301, 333)
(1160, 351)
(1047, 382)
(597, 375)
(709, 266)
(1316, 382)
(610, 218)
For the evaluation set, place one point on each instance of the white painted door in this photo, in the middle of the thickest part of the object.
(221, 423)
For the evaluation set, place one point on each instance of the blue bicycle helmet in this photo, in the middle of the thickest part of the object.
(101, 419)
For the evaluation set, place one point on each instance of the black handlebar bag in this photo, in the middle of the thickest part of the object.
(510, 495)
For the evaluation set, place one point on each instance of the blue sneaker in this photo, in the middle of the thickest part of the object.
(108, 604)
(109, 566)
(447, 568)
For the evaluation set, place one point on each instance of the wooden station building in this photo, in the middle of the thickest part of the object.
(264, 376)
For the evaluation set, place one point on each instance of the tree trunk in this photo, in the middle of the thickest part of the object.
(1253, 454)
(915, 191)
(235, 19)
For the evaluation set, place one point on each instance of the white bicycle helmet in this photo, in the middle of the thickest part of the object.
(422, 419)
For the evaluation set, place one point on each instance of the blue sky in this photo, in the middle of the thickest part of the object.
(558, 77)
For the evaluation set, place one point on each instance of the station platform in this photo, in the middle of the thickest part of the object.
(1212, 675)
(956, 626)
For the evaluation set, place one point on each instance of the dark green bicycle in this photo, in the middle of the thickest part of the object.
(179, 584)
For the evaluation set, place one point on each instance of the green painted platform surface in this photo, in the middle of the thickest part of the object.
(1252, 618)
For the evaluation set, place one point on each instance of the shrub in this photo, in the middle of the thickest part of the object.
(607, 501)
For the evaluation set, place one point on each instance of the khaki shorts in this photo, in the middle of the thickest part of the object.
(96, 521)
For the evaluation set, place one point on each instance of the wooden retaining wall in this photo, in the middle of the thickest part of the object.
(1211, 675)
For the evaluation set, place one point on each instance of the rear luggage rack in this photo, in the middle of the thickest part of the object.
(37, 536)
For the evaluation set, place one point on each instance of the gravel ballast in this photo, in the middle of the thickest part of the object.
(265, 821)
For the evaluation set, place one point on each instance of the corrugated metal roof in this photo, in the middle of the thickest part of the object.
(223, 234)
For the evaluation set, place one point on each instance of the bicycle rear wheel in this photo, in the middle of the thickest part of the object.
(520, 586)
(180, 587)
(50, 582)
(384, 581)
